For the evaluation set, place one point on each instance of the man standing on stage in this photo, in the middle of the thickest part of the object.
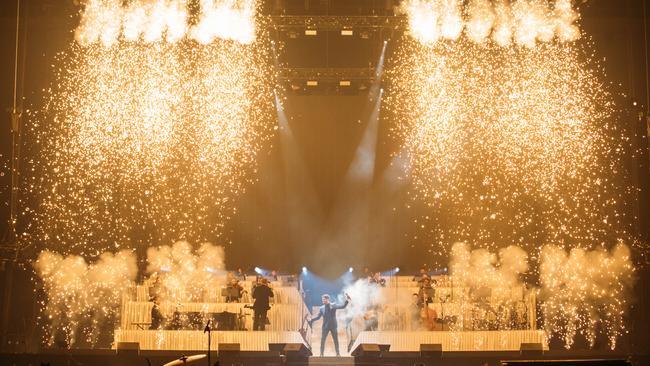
(328, 313)
(261, 293)
(157, 318)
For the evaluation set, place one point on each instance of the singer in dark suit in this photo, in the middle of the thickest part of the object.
(328, 313)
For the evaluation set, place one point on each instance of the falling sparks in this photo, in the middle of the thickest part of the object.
(512, 138)
(82, 299)
(146, 140)
(525, 22)
(510, 145)
(583, 290)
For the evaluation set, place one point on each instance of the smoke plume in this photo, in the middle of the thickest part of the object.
(83, 298)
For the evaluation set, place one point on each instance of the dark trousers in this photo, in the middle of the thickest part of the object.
(335, 338)
(259, 319)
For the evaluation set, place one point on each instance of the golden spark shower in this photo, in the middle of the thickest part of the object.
(513, 139)
(157, 119)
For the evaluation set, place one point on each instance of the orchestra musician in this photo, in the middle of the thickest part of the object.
(234, 291)
(157, 318)
(261, 294)
(415, 310)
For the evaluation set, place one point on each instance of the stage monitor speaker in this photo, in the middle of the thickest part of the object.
(431, 350)
(384, 347)
(278, 347)
(531, 349)
(128, 348)
(366, 350)
(590, 362)
(228, 347)
(293, 350)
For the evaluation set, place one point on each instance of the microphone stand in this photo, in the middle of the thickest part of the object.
(209, 330)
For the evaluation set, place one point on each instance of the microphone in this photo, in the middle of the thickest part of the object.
(207, 326)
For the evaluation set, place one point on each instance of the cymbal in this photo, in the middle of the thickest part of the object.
(185, 359)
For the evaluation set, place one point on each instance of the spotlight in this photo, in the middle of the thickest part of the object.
(312, 82)
(350, 269)
(311, 32)
(396, 269)
(347, 32)
(258, 270)
(304, 269)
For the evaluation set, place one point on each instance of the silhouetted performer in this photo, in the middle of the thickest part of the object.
(261, 293)
(157, 318)
(328, 313)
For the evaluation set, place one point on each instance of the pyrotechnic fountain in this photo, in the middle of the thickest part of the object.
(151, 128)
(512, 138)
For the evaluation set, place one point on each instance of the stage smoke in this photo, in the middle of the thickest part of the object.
(524, 21)
(185, 275)
(83, 298)
(481, 269)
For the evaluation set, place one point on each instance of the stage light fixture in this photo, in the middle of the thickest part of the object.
(258, 270)
(396, 269)
(345, 83)
(350, 269)
(311, 32)
(312, 82)
(347, 32)
(304, 269)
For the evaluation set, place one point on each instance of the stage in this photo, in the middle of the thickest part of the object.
(262, 358)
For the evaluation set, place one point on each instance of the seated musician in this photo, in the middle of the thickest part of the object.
(415, 312)
(371, 318)
(426, 292)
(274, 275)
(240, 275)
(177, 319)
(421, 276)
(234, 291)
(376, 279)
(157, 318)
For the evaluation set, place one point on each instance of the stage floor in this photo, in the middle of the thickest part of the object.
(268, 358)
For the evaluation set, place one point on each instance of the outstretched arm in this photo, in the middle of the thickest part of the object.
(320, 315)
(347, 301)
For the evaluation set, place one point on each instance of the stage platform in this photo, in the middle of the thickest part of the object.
(506, 340)
(269, 358)
(188, 340)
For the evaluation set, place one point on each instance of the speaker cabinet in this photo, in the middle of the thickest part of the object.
(431, 350)
(366, 350)
(531, 349)
(277, 347)
(295, 350)
(128, 348)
